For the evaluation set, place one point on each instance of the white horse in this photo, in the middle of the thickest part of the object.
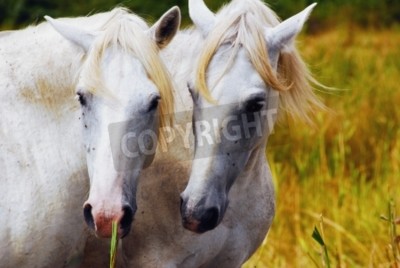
(248, 70)
(248, 60)
(112, 60)
(122, 82)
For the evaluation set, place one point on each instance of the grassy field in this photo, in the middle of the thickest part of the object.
(342, 174)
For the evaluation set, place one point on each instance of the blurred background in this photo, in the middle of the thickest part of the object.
(337, 181)
(366, 13)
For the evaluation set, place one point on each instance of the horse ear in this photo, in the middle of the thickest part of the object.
(283, 35)
(74, 34)
(201, 16)
(164, 30)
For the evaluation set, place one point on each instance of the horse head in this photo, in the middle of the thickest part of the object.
(240, 83)
(125, 95)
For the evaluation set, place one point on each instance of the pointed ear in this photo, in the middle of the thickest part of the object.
(201, 16)
(72, 33)
(164, 30)
(283, 35)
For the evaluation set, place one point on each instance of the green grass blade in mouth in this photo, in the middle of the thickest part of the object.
(114, 245)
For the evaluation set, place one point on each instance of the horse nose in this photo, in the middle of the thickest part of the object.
(182, 203)
(206, 222)
(209, 220)
(87, 215)
(188, 221)
(197, 219)
(126, 220)
(102, 222)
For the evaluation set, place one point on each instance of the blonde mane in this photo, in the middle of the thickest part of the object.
(242, 23)
(126, 31)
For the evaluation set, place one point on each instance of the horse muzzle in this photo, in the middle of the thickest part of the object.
(102, 222)
(200, 219)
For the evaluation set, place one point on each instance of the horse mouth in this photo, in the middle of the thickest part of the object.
(192, 225)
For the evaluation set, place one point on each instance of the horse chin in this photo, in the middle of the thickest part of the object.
(199, 226)
(192, 225)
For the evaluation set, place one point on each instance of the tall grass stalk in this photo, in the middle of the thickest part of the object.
(393, 254)
(325, 256)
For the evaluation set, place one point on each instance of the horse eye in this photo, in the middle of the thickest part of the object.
(81, 98)
(154, 103)
(255, 105)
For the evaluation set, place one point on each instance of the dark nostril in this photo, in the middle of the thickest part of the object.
(126, 220)
(182, 208)
(209, 220)
(87, 214)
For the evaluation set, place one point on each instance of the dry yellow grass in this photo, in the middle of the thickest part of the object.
(346, 169)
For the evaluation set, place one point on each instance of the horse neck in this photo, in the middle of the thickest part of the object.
(40, 63)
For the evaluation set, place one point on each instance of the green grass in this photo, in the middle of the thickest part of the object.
(324, 250)
(393, 252)
(347, 168)
(114, 245)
